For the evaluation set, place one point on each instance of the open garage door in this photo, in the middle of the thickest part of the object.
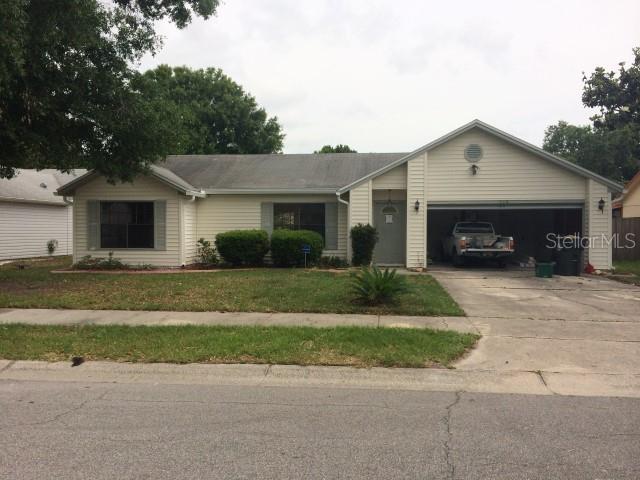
(528, 224)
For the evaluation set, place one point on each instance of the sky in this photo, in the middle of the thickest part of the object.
(390, 76)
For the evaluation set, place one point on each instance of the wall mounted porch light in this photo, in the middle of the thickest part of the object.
(474, 169)
(601, 204)
(416, 205)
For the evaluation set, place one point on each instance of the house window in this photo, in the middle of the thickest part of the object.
(126, 225)
(299, 216)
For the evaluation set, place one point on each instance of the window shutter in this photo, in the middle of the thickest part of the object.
(93, 224)
(160, 224)
(266, 222)
(331, 226)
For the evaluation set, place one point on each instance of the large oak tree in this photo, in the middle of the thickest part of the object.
(211, 113)
(66, 98)
(611, 145)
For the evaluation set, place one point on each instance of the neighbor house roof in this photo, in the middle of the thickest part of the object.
(36, 186)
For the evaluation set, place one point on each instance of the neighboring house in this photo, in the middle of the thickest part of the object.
(626, 221)
(629, 202)
(475, 172)
(31, 214)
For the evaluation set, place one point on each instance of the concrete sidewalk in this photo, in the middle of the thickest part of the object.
(37, 316)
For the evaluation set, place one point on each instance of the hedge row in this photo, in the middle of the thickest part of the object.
(249, 247)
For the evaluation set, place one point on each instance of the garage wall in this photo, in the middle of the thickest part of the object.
(417, 221)
(506, 173)
(597, 225)
(221, 213)
(25, 229)
(142, 188)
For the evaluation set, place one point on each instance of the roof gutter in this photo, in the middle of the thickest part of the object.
(340, 199)
(269, 191)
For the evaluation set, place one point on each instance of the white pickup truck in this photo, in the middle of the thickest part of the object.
(477, 240)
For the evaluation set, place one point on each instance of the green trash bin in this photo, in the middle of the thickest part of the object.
(544, 269)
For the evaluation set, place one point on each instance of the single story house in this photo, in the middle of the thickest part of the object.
(31, 214)
(474, 172)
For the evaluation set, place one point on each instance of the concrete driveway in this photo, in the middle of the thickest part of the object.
(561, 325)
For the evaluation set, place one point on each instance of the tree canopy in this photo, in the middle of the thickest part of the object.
(339, 148)
(211, 113)
(611, 145)
(66, 99)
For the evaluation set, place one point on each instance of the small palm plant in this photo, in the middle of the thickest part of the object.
(373, 286)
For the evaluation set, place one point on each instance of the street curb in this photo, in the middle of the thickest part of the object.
(444, 380)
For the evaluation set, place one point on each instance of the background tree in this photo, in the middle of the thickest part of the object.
(211, 113)
(65, 83)
(611, 145)
(339, 148)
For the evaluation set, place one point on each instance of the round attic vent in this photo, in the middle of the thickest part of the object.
(473, 153)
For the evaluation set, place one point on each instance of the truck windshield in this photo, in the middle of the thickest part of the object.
(474, 227)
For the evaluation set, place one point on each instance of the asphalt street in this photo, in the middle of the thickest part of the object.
(89, 430)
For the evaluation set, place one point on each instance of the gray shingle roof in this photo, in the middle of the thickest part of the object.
(276, 171)
(36, 186)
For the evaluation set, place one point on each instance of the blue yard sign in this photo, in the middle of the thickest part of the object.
(306, 249)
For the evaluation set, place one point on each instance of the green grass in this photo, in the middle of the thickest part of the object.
(355, 346)
(258, 290)
(627, 266)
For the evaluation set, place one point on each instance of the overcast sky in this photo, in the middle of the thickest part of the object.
(390, 76)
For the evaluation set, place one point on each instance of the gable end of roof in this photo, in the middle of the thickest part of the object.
(561, 162)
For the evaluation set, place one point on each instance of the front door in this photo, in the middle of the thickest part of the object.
(390, 219)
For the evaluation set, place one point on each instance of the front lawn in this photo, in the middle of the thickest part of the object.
(258, 290)
(355, 346)
(627, 266)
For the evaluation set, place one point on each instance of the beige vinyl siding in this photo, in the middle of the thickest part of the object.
(394, 179)
(631, 204)
(598, 226)
(25, 229)
(506, 173)
(141, 189)
(416, 221)
(189, 230)
(360, 204)
(221, 213)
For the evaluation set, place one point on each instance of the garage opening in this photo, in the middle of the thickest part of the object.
(528, 226)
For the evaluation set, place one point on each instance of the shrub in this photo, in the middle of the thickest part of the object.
(94, 263)
(332, 262)
(363, 241)
(243, 247)
(373, 286)
(206, 253)
(286, 247)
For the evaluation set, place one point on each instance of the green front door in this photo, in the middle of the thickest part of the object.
(390, 219)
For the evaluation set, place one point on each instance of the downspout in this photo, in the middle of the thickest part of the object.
(66, 200)
(344, 202)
